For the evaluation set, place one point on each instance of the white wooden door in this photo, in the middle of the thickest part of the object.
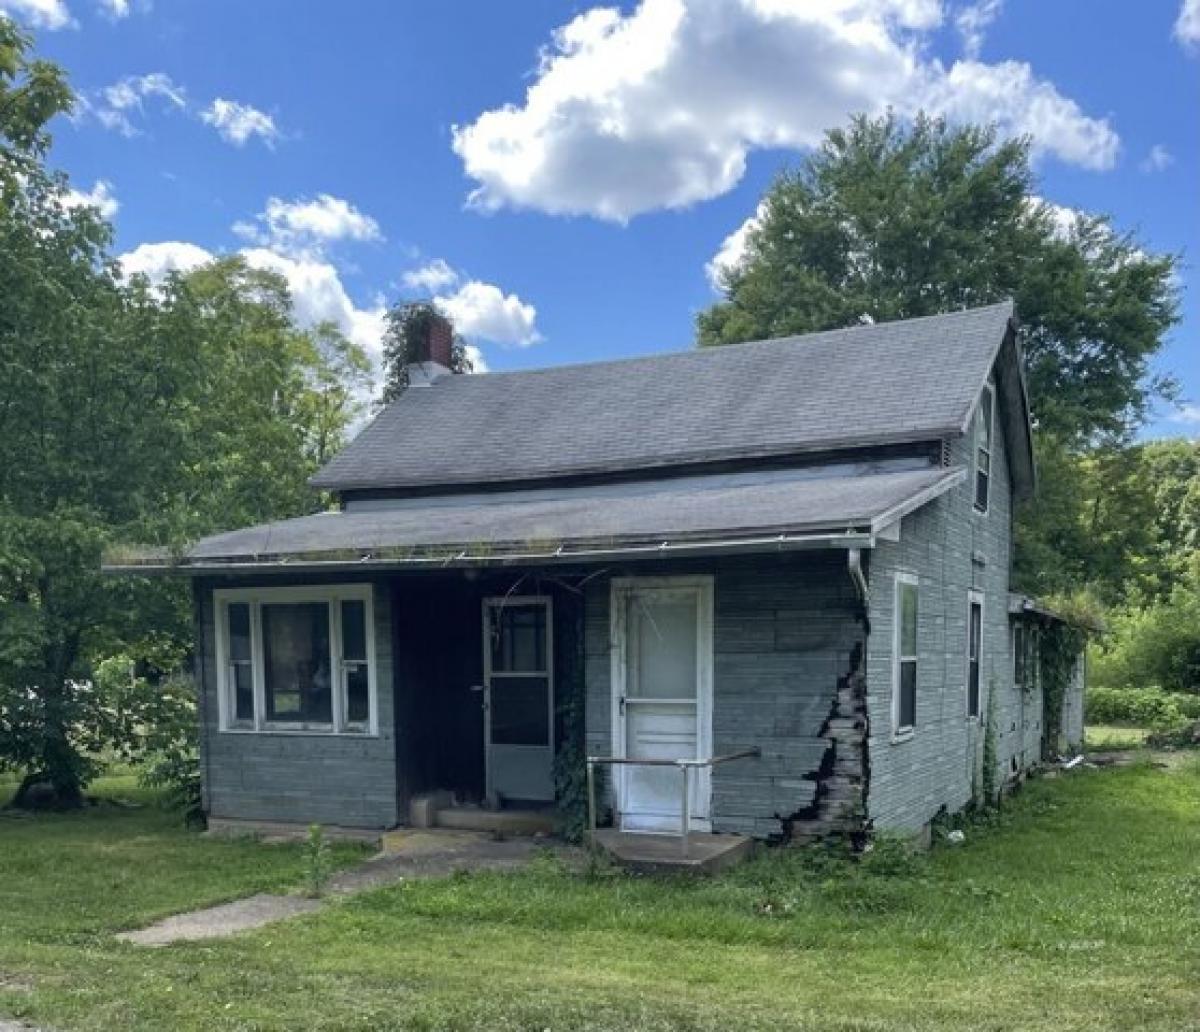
(662, 697)
(518, 664)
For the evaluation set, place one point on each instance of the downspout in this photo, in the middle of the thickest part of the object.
(855, 566)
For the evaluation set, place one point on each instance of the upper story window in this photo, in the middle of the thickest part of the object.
(983, 447)
(296, 659)
(904, 656)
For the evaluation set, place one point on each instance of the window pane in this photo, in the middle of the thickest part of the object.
(239, 632)
(981, 489)
(296, 662)
(976, 629)
(520, 711)
(243, 692)
(973, 689)
(354, 630)
(908, 693)
(358, 705)
(985, 420)
(908, 619)
(519, 638)
(663, 643)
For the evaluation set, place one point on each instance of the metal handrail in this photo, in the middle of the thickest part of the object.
(684, 766)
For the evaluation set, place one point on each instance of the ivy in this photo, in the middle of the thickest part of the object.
(988, 775)
(570, 762)
(1059, 651)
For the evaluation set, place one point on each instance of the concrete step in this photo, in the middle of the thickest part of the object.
(498, 822)
(654, 854)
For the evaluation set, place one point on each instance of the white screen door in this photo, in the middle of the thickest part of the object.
(518, 660)
(662, 697)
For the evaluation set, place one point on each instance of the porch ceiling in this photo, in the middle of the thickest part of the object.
(749, 512)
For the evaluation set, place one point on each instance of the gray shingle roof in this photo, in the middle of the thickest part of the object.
(679, 510)
(892, 382)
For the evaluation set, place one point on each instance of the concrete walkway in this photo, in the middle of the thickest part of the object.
(407, 854)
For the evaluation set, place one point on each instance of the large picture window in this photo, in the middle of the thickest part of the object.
(296, 659)
(904, 653)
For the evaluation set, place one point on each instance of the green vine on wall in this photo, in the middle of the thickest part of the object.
(570, 761)
(987, 778)
(1059, 649)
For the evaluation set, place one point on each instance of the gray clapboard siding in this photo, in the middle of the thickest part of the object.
(347, 780)
(783, 631)
(941, 764)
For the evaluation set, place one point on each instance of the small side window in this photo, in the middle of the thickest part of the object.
(904, 704)
(983, 447)
(974, 653)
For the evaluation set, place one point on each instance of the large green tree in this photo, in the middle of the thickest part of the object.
(128, 411)
(893, 219)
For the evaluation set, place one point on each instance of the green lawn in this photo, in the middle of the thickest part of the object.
(1078, 909)
(1106, 737)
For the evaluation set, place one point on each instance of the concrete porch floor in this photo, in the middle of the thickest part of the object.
(652, 854)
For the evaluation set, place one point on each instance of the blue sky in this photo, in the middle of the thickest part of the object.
(561, 176)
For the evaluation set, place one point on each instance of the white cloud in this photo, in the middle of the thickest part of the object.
(1158, 159)
(732, 251)
(115, 8)
(304, 225)
(973, 21)
(319, 296)
(100, 197)
(1186, 414)
(155, 261)
(115, 105)
(484, 312)
(237, 122)
(431, 277)
(41, 14)
(660, 108)
(1187, 25)
(130, 91)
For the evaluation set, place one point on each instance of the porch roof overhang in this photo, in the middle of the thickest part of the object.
(765, 511)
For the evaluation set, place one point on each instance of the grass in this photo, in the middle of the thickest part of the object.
(1107, 738)
(1077, 908)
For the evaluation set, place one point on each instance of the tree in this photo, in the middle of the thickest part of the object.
(128, 412)
(406, 330)
(896, 220)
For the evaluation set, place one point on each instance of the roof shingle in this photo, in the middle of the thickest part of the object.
(904, 381)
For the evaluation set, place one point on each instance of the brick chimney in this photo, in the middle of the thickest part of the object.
(433, 356)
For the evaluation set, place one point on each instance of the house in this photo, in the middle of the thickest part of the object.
(795, 552)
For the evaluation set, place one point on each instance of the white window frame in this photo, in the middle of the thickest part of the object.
(985, 438)
(903, 734)
(333, 595)
(974, 598)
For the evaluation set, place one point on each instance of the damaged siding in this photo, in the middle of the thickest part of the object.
(783, 632)
(346, 780)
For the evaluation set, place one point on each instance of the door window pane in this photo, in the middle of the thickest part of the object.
(241, 667)
(518, 634)
(662, 647)
(520, 710)
(296, 662)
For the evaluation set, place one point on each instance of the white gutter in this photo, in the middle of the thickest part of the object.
(852, 540)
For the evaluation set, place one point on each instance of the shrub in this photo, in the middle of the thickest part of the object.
(1158, 645)
(317, 861)
(1140, 707)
